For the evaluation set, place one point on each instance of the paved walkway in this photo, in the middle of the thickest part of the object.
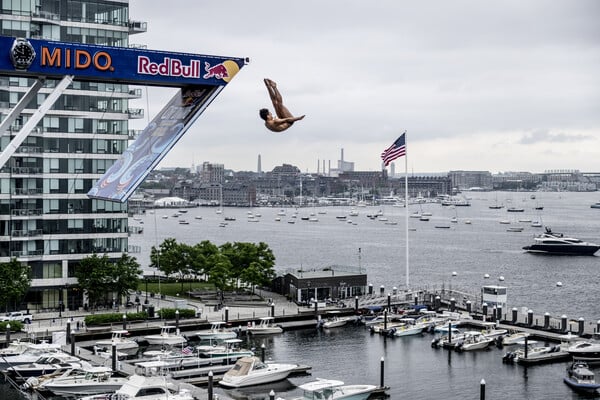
(44, 324)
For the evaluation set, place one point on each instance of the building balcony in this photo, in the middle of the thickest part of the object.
(137, 27)
(26, 212)
(26, 233)
(133, 134)
(135, 113)
(26, 170)
(45, 16)
(29, 150)
(135, 93)
(26, 253)
(27, 191)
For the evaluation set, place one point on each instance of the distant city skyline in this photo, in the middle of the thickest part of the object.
(509, 85)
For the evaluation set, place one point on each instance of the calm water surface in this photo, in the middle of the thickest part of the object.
(413, 369)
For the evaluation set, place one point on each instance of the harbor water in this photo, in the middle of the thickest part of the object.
(412, 368)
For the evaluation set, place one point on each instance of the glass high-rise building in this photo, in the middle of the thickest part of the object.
(46, 219)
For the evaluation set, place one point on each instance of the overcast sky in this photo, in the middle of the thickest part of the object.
(477, 85)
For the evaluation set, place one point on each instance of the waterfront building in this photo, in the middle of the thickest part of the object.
(462, 180)
(334, 282)
(46, 219)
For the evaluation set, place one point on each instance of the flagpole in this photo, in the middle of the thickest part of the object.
(406, 203)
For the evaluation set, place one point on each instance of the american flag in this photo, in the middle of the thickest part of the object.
(396, 150)
(187, 350)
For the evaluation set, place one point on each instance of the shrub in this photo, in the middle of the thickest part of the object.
(99, 319)
(15, 326)
(169, 313)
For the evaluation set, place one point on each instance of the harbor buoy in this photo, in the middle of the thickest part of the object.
(559, 284)
(501, 278)
(486, 276)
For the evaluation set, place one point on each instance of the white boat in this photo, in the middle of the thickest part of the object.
(333, 321)
(265, 327)
(46, 364)
(556, 243)
(473, 340)
(329, 389)
(31, 354)
(514, 338)
(166, 337)
(94, 380)
(218, 330)
(14, 348)
(249, 371)
(120, 341)
(231, 350)
(585, 351)
(146, 388)
(534, 351)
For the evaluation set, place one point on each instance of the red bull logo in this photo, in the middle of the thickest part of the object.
(169, 67)
(218, 71)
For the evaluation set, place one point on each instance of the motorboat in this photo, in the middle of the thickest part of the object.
(580, 378)
(46, 364)
(473, 340)
(556, 243)
(515, 209)
(514, 338)
(585, 351)
(147, 388)
(29, 355)
(34, 382)
(595, 205)
(230, 351)
(119, 339)
(94, 380)
(333, 321)
(335, 390)
(265, 327)
(14, 348)
(249, 371)
(531, 353)
(167, 336)
(218, 330)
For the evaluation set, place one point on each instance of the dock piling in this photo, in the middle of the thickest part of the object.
(563, 323)
(469, 306)
(271, 395)
(210, 385)
(482, 389)
(114, 357)
(484, 310)
(72, 343)
(124, 322)
(515, 315)
(546, 320)
(453, 304)
(7, 334)
(581, 322)
(381, 373)
(529, 317)
(226, 315)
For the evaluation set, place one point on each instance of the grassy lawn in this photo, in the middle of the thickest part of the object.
(174, 288)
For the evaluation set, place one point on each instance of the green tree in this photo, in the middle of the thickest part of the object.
(100, 276)
(94, 276)
(220, 273)
(14, 281)
(166, 258)
(243, 254)
(201, 254)
(126, 274)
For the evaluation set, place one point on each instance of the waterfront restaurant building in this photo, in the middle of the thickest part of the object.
(330, 283)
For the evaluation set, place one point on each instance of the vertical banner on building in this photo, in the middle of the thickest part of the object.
(154, 142)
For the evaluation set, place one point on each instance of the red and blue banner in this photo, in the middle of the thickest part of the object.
(115, 64)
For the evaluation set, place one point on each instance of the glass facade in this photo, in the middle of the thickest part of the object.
(46, 219)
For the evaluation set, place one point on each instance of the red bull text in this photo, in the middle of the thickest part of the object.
(169, 67)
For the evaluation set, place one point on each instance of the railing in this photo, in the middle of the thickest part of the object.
(135, 112)
(26, 253)
(21, 212)
(26, 170)
(137, 26)
(29, 149)
(27, 191)
(26, 233)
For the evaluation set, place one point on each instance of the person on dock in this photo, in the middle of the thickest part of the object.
(284, 119)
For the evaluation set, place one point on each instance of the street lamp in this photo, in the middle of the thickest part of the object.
(146, 279)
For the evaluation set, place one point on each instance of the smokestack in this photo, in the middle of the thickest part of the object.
(342, 154)
(329, 169)
(323, 167)
(318, 165)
